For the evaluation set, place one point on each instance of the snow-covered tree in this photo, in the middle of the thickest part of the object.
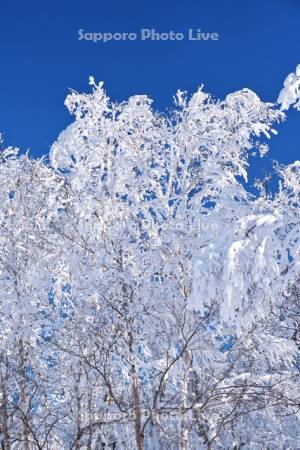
(149, 300)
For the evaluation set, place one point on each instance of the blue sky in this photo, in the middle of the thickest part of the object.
(41, 57)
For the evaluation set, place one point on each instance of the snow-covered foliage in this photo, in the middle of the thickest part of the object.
(290, 93)
(148, 299)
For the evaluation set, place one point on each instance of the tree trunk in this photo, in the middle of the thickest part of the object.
(22, 376)
(78, 408)
(184, 432)
(136, 397)
(5, 428)
(138, 415)
(137, 410)
(89, 444)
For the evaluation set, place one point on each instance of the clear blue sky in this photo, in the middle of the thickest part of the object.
(41, 57)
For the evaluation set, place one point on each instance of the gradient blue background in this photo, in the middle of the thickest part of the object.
(41, 57)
